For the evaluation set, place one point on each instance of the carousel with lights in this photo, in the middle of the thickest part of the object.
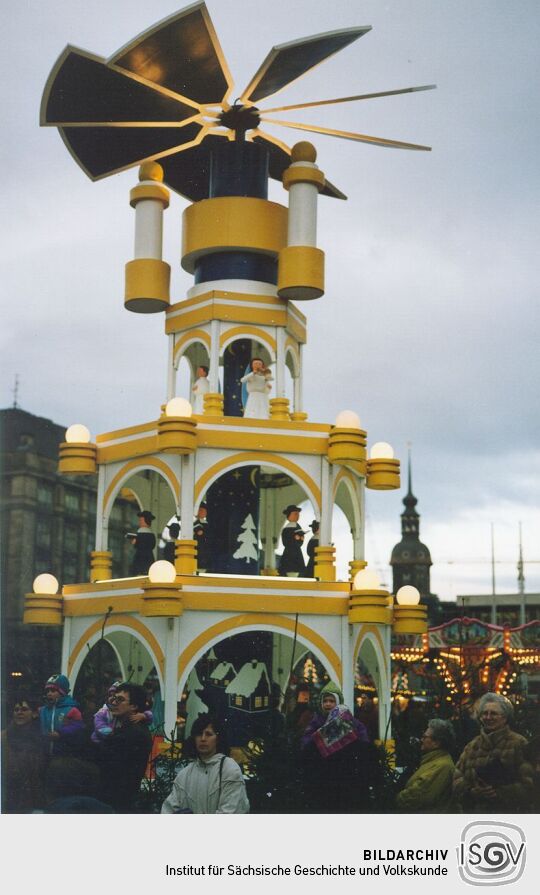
(224, 603)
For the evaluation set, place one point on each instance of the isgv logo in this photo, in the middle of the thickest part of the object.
(491, 853)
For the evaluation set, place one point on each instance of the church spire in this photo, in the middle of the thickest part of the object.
(410, 520)
(410, 559)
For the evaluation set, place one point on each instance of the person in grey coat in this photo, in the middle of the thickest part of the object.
(212, 783)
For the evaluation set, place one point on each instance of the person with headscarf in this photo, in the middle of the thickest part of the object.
(338, 760)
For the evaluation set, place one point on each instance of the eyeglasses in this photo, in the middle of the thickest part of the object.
(118, 699)
(491, 715)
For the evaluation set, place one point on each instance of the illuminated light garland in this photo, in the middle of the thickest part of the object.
(310, 671)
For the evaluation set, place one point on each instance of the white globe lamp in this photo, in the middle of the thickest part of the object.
(381, 450)
(45, 584)
(365, 579)
(348, 419)
(408, 596)
(162, 572)
(77, 434)
(178, 407)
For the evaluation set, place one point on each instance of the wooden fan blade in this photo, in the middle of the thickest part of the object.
(82, 90)
(346, 135)
(182, 54)
(287, 62)
(101, 151)
(348, 99)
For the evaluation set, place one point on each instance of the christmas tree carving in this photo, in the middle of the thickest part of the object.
(247, 539)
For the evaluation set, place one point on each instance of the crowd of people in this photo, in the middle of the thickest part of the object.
(497, 771)
(52, 763)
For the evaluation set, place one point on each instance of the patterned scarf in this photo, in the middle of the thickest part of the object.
(337, 731)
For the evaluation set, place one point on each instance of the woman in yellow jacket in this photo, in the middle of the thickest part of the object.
(429, 790)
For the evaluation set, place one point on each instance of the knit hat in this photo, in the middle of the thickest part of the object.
(58, 682)
(113, 688)
(333, 690)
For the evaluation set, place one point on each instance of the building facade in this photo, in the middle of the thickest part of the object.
(48, 525)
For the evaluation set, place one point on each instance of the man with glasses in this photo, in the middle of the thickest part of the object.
(492, 774)
(123, 755)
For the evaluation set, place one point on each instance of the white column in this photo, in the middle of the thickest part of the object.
(171, 372)
(325, 532)
(101, 523)
(385, 682)
(360, 532)
(280, 362)
(148, 227)
(170, 694)
(302, 230)
(346, 664)
(299, 384)
(66, 645)
(213, 374)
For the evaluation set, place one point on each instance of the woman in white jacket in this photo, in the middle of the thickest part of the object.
(212, 783)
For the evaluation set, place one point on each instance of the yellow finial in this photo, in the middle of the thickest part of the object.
(303, 152)
(151, 171)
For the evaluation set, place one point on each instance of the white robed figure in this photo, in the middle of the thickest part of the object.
(200, 388)
(257, 383)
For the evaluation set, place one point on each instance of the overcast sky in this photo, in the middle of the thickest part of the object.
(429, 328)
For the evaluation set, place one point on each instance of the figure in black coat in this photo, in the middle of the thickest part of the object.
(292, 536)
(169, 550)
(201, 534)
(144, 542)
(312, 543)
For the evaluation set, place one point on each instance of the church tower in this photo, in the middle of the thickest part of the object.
(411, 560)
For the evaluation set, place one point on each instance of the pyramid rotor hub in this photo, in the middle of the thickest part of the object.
(240, 119)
